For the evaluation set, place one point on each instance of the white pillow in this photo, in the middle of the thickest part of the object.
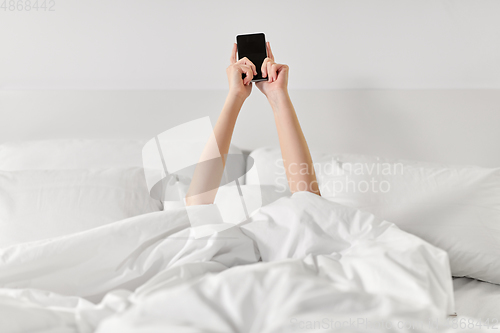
(81, 154)
(452, 207)
(41, 204)
(456, 208)
(269, 169)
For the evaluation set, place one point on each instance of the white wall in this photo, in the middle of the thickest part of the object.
(175, 53)
(158, 44)
(451, 126)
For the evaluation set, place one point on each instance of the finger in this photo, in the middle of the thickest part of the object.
(249, 74)
(270, 71)
(282, 70)
(269, 52)
(264, 67)
(247, 62)
(244, 69)
(254, 68)
(233, 57)
(274, 71)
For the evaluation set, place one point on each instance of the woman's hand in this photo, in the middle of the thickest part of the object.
(238, 87)
(277, 75)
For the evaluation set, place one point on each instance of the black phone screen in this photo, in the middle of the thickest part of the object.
(253, 46)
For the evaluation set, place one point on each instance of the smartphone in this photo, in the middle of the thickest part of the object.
(253, 46)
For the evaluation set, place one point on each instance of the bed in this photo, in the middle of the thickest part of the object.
(476, 299)
(85, 248)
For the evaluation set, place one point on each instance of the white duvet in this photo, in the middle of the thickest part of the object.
(300, 264)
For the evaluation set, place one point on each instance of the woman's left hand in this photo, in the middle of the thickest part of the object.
(277, 76)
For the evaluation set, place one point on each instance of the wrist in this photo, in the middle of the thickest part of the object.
(234, 102)
(236, 97)
(277, 98)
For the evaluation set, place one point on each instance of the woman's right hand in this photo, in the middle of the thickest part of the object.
(239, 87)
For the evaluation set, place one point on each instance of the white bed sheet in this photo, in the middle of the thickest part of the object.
(477, 299)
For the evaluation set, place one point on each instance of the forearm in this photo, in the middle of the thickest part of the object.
(294, 150)
(207, 175)
(224, 127)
